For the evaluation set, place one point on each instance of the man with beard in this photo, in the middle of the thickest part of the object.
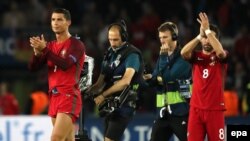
(206, 116)
(64, 58)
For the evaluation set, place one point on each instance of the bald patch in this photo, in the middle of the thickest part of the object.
(114, 31)
(115, 28)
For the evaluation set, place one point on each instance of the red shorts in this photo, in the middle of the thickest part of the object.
(206, 122)
(65, 103)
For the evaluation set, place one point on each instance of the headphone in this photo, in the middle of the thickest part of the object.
(122, 29)
(173, 29)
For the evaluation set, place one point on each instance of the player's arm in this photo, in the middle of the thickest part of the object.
(38, 59)
(187, 50)
(73, 54)
(203, 20)
(216, 45)
(36, 62)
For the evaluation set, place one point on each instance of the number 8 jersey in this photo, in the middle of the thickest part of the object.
(209, 73)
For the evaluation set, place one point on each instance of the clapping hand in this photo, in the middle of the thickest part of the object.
(203, 20)
(38, 44)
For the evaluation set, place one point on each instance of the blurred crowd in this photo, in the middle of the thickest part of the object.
(90, 20)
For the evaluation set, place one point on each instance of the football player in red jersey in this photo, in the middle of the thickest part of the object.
(64, 57)
(209, 67)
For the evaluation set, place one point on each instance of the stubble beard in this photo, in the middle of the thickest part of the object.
(208, 48)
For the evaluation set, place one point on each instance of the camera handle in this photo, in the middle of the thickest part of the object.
(123, 96)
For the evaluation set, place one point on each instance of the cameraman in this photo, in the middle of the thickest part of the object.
(171, 77)
(122, 67)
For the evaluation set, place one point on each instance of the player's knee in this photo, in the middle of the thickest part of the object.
(70, 137)
(107, 139)
(57, 137)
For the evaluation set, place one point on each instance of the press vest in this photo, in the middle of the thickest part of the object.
(170, 93)
(114, 66)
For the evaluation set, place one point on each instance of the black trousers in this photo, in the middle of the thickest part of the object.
(164, 128)
(116, 122)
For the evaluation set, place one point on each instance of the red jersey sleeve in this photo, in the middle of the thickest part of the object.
(37, 62)
(73, 54)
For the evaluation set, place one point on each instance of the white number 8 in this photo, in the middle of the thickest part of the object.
(205, 73)
(221, 134)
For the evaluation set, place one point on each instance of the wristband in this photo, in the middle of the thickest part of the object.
(103, 96)
(208, 31)
(199, 37)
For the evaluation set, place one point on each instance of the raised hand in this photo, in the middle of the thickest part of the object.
(203, 20)
(164, 49)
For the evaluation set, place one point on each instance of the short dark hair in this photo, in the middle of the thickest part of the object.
(215, 28)
(63, 11)
(168, 26)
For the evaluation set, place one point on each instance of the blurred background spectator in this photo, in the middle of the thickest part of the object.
(8, 101)
(21, 19)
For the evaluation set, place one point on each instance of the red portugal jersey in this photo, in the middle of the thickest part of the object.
(208, 81)
(66, 81)
(65, 61)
